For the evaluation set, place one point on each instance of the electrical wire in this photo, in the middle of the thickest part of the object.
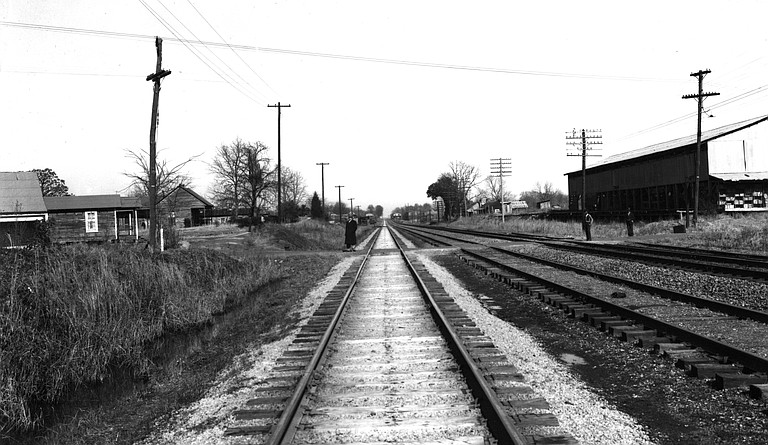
(231, 48)
(254, 90)
(200, 56)
(177, 38)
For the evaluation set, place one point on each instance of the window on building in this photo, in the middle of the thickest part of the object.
(91, 222)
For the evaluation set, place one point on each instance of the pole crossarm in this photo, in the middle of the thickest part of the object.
(699, 75)
(585, 140)
(155, 77)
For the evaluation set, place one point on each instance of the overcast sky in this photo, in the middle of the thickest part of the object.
(389, 92)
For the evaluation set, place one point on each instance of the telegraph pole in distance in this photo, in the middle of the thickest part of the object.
(322, 181)
(585, 140)
(154, 77)
(339, 187)
(351, 207)
(700, 99)
(501, 167)
(279, 182)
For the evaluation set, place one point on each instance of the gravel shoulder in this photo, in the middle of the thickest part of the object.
(670, 406)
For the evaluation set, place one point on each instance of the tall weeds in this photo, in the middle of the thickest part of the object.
(67, 314)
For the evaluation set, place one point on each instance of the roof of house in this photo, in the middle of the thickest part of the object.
(191, 192)
(90, 202)
(20, 193)
(677, 143)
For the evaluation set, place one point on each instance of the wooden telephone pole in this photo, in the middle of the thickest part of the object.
(585, 140)
(501, 167)
(700, 99)
(154, 77)
(279, 181)
(322, 182)
(339, 187)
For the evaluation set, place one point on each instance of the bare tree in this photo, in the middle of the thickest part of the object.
(294, 191)
(493, 189)
(243, 176)
(466, 177)
(229, 168)
(168, 177)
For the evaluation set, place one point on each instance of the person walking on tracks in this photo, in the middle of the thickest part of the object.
(630, 222)
(587, 225)
(350, 235)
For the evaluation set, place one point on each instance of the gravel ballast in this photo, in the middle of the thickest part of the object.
(672, 407)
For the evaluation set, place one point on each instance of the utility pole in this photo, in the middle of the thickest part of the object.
(700, 99)
(351, 207)
(586, 141)
(501, 167)
(322, 181)
(339, 187)
(154, 77)
(279, 107)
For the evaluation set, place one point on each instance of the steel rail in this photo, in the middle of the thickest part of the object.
(279, 432)
(714, 305)
(745, 358)
(708, 303)
(499, 422)
(720, 258)
(656, 259)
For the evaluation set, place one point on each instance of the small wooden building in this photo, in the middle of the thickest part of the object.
(183, 207)
(21, 207)
(93, 218)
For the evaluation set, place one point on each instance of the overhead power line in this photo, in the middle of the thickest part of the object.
(177, 38)
(197, 54)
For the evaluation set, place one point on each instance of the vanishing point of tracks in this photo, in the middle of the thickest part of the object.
(676, 324)
(389, 357)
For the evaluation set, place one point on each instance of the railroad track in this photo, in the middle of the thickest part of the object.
(726, 264)
(389, 357)
(674, 324)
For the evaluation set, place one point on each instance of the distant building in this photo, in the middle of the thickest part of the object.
(184, 208)
(660, 178)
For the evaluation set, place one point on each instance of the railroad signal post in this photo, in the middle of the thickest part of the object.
(279, 107)
(700, 99)
(501, 167)
(152, 186)
(585, 141)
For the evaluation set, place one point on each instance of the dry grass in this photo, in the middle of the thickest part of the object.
(735, 232)
(68, 314)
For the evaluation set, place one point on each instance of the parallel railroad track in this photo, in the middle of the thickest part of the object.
(391, 357)
(675, 329)
(727, 264)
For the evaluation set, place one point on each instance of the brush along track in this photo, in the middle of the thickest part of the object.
(713, 345)
(394, 373)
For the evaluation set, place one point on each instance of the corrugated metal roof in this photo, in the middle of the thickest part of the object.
(677, 143)
(90, 202)
(751, 176)
(20, 193)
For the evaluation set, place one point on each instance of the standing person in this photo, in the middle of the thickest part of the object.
(630, 222)
(350, 235)
(587, 224)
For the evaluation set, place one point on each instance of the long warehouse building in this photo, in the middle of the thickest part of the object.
(658, 180)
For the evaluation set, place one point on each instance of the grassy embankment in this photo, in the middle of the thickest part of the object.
(748, 233)
(68, 313)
